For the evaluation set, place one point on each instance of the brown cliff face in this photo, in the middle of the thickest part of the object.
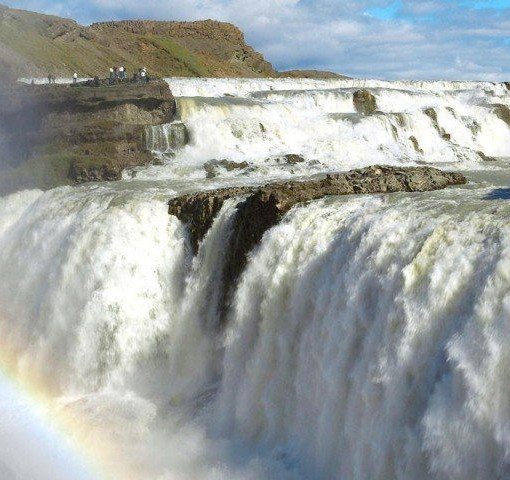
(58, 134)
(221, 45)
(260, 208)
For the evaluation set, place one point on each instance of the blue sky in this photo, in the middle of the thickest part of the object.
(407, 39)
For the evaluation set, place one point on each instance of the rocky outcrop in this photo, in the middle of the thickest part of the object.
(502, 112)
(211, 41)
(75, 134)
(212, 167)
(432, 114)
(260, 208)
(364, 102)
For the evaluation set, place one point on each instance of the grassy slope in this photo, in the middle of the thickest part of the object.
(41, 44)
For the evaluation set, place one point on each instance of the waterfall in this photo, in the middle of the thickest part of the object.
(367, 337)
(348, 355)
(166, 138)
(458, 125)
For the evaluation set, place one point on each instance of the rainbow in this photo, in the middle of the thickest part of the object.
(46, 440)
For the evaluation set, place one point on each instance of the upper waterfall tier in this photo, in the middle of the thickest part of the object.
(332, 125)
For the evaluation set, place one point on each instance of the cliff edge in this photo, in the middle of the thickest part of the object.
(61, 134)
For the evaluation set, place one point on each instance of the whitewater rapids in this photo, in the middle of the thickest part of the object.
(368, 337)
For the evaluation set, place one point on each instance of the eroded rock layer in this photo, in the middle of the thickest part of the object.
(56, 134)
(260, 208)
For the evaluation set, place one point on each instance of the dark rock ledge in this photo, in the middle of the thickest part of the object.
(54, 135)
(260, 208)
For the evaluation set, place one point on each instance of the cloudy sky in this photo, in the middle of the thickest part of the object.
(411, 39)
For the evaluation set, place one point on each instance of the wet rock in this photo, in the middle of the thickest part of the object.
(260, 208)
(432, 114)
(485, 158)
(503, 113)
(212, 167)
(364, 102)
(415, 143)
(293, 159)
(178, 136)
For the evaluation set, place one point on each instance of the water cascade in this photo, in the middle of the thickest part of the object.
(367, 337)
(453, 124)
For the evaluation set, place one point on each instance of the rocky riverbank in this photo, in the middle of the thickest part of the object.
(60, 134)
(260, 208)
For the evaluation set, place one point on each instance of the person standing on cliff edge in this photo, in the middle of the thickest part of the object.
(75, 77)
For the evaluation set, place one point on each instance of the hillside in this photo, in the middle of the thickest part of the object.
(33, 44)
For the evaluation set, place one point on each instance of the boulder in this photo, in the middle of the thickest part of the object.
(364, 102)
(213, 166)
(293, 159)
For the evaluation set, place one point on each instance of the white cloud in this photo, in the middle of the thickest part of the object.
(426, 39)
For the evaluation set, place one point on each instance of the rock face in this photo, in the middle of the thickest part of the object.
(65, 134)
(260, 208)
(216, 46)
(364, 102)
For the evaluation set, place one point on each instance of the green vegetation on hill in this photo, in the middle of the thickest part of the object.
(32, 44)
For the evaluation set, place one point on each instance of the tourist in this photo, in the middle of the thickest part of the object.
(143, 76)
(75, 77)
(49, 77)
(111, 75)
(121, 72)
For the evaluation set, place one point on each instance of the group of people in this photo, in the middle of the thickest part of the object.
(119, 74)
(53, 79)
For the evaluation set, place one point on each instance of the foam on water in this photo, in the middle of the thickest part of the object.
(452, 124)
(366, 339)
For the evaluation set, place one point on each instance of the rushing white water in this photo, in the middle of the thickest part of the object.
(259, 121)
(217, 87)
(367, 338)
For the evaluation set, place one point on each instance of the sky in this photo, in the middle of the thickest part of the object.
(388, 39)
